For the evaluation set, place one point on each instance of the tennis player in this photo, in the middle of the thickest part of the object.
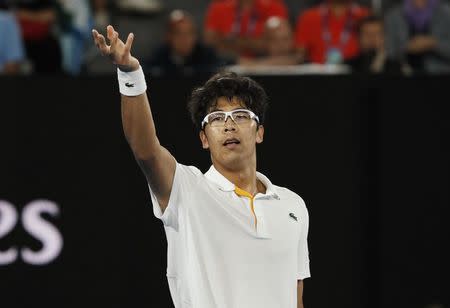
(235, 240)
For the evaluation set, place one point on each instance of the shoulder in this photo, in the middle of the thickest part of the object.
(361, 11)
(311, 13)
(288, 195)
(189, 170)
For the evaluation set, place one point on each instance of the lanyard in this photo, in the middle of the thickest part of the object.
(237, 23)
(345, 34)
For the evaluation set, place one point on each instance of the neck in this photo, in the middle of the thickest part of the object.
(339, 8)
(243, 177)
(246, 4)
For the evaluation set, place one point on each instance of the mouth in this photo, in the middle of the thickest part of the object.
(231, 143)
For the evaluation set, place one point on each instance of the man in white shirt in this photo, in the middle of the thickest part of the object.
(235, 240)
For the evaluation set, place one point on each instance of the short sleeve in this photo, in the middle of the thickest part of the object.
(303, 270)
(184, 181)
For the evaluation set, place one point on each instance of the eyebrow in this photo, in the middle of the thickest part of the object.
(216, 109)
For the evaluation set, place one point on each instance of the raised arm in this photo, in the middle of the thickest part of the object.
(300, 294)
(155, 161)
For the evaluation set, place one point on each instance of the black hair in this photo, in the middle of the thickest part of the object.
(228, 85)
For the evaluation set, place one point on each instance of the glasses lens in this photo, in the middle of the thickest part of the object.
(216, 118)
(241, 116)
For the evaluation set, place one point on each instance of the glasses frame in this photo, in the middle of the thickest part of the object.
(253, 116)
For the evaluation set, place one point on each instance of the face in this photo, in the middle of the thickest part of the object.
(371, 36)
(182, 37)
(246, 2)
(231, 145)
(420, 4)
(279, 40)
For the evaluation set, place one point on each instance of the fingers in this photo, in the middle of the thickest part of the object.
(104, 48)
(110, 32)
(95, 36)
(113, 37)
(129, 42)
(100, 42)
(116, 46)
(113, 40)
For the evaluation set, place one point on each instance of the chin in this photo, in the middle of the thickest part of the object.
(233, 162)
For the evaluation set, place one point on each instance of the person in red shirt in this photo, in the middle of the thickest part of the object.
(235, 27)
(328, 33)
(37, 20)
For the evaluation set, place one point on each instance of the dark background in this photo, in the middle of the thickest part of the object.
(370, 157)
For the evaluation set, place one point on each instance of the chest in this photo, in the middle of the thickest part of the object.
(225, 224)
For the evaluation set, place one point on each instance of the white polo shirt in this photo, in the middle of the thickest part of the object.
(224, 254)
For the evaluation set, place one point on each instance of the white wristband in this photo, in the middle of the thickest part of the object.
(132, 83)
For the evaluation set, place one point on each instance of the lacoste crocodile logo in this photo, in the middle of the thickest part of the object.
(129, 85)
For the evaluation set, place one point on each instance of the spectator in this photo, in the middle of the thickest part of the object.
(182, 53)
(75, 31)
(11, 45)
(234, 27)
(372, 56)
(327, 33)
(278, 42)
(101, 13)
(37, 19)
(418, 32)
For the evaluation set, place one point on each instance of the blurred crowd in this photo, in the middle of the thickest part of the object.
(186, 37)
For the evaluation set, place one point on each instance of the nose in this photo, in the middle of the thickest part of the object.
(229, 124)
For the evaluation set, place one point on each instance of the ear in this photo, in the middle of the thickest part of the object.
(260, 134)
(204, 139)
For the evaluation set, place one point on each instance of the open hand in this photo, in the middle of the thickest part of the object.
(117, 50)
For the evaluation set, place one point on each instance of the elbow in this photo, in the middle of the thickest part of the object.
(143, 156)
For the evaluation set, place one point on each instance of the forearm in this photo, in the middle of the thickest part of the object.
(11, 68)
(138, 126)
(300, 294)
(252, 44)
(299, 301)
(291, 59)
(156, 162)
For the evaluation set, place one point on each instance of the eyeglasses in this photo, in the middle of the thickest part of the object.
(239, 116)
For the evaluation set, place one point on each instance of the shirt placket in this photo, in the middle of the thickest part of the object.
(259, 223)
